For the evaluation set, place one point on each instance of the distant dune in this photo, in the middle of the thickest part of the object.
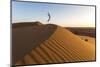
(43, 44)
(86, 31)
(25, 24)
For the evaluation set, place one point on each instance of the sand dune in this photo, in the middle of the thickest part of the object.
(26, 38)
(25, 24)
(49, 44)
(86, 31)
(90, 40)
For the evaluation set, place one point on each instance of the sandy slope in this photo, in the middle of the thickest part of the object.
(61, 46)
(91, 40)
(24, 39)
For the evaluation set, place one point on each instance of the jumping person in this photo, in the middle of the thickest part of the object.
(49, 17)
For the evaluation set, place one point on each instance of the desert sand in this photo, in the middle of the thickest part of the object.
(90, 40)
(49, 43)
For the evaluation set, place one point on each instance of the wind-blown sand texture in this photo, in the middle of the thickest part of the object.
(44, 44)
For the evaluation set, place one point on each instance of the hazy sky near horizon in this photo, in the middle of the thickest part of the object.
(63, 15)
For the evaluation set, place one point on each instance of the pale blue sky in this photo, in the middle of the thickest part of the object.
(63, 15)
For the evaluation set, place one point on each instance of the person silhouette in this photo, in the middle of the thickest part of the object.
(49, 17)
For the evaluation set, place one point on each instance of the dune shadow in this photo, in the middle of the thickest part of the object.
(27, 37)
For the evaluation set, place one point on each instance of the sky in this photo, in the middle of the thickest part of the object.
(61, 14)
